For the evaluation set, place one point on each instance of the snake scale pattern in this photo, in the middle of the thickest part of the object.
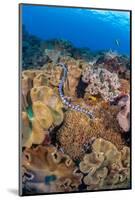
(64, 99)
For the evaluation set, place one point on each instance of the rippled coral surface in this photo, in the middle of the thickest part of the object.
(63, 148)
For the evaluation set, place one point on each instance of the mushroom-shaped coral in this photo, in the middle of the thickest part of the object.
(55, 76)
(32, 131)
(50, 166)
(73, 77)
(26, 86)
(106, 167)
(40, 80)
(48, 97)
(91, 162)
(96, 180)
(42, 114)
(108, 149)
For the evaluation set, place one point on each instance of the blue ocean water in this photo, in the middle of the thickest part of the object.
(91, 28)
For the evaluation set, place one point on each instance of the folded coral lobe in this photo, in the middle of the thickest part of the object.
(75, 100)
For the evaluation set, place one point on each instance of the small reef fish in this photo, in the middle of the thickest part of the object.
(117, 42)
(92, 98)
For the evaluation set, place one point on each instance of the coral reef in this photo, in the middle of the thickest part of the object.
(123, 116)
(114, 62)
(73, 76)
(124, 86)
(53, 55)
(75, 123)
(73, 133)
(77, 132)
(101, 82)
(32, 51)
(51, 167)
(103, 168)
(33, 132)
(46, 96)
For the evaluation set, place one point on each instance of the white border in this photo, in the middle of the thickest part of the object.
(9, 97)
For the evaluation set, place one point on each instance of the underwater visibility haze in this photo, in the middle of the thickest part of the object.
(75, 100)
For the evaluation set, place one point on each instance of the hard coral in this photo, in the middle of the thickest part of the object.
(77, 131)
(101, 82)
(73, 133)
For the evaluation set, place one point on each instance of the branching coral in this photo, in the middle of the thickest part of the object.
(101, 82)
(46, 161)
(104, 168)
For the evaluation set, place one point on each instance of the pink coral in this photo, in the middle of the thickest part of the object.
(123, 115)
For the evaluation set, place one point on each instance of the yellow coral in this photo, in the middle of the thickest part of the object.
(49, 99)
(32, 132)
(105, 167)
(108, 149)
(42, 114)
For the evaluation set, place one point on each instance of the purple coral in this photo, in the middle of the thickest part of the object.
(101, 82)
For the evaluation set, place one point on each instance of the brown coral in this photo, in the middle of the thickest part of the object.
(107, 169)
(123, 116)
(40, 80)
(73, 77)
(48, 97)
(124, 86)
(46, 161)
(73, 133)
(78, 130)
(32, 131)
